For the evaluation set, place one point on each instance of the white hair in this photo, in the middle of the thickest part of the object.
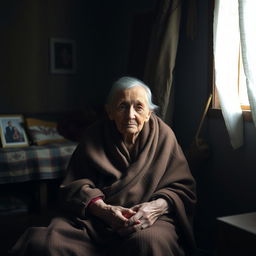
(127, 82)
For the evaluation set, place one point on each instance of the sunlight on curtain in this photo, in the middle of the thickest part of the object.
(226, 43)
(242, 85)
(247, 21)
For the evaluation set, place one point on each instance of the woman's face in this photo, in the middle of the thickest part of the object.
(130, 110)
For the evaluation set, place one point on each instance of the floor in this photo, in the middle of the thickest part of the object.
(12, 227)
(14, 223)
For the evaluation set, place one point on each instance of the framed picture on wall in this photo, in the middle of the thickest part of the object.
(12, 131)
(62, 56)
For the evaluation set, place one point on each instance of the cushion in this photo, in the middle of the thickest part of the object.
(43, 132)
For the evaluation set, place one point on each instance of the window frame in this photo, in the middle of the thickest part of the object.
(215, 109)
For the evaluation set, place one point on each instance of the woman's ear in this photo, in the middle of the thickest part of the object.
(108, 110)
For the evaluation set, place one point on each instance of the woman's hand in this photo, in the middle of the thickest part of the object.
(116, 217)
(146, 214)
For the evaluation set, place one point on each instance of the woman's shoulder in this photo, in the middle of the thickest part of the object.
(164, 128)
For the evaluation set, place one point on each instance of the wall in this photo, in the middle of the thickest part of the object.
(26, 27)
(102, 30)
(226, 181)
(108, 29)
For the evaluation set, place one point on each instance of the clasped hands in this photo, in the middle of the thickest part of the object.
(128, 220)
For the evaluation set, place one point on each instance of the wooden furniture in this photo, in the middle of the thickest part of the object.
(29, 173)
(35, 163)
(237, 235)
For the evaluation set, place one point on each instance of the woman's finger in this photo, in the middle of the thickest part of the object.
(137, 216)
(128, 213)
(145, 225)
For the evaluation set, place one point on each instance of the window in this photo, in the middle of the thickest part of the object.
(236, 59)
(234, 40)
(242, 90)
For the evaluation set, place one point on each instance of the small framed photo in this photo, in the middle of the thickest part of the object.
(62, 56)
(12, 131)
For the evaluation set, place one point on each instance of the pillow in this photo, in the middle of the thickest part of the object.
(43, 132)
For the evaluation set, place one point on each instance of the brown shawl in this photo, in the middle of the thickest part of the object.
(102, 166)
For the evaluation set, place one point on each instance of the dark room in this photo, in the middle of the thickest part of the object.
(165, 87)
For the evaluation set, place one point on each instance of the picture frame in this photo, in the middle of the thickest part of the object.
(12, 131)
(62, 56)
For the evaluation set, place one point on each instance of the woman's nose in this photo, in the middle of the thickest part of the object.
(131, 112)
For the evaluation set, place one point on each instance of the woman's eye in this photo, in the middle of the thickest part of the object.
(139, 108)
(121, 107)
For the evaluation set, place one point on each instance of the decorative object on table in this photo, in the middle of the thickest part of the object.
(12, 131)
(43, 132)
(62, 56)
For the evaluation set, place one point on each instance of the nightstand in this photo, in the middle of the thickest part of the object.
(237, 235)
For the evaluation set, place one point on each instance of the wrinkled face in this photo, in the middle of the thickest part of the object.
(130, 110)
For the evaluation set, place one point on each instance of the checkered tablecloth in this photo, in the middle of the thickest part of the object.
(35, 162)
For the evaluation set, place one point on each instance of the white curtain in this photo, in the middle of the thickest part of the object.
(247, 21)
(233, 20)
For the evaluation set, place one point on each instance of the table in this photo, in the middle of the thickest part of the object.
(32, 163)
(35, 162)
(237, 235)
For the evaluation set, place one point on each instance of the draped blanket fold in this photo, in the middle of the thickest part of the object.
(102, 166)
(157, 168)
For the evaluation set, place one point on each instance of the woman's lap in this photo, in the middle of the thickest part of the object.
(160, 239)
(64, 238)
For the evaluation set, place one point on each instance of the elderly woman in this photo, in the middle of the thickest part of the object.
(128, 190)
